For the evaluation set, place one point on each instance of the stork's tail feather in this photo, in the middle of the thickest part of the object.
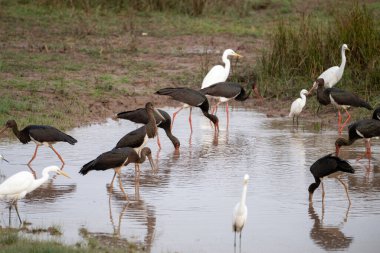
(345, 167)
(366, 105)
(70, 139)
(164, 91)
(86, 168)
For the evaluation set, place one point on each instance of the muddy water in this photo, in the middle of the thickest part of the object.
(186, 206)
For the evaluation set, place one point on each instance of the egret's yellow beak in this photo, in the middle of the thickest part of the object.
(61, 172)
(237, 55)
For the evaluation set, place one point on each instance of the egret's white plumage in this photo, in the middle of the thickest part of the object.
(298, 105)
(21, 183)
(334, 74)
(240, 211)
(219, 73)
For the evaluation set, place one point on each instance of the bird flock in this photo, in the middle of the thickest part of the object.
(131, 148)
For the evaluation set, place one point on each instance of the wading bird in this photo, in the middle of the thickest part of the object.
(361, 129)
(141, 116)
(225, 91)
(328, 166)
(138, 138)
(240, 211)
(21, 183)
(219, 73)
(340, 99)
(334, 74)
(41, 135)
(190, 98)
(298, 105)
(116, 159)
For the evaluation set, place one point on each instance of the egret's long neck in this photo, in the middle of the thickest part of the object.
(38, 182)
(244, 194)
(343, 64)
(227, 65)
(303, 97)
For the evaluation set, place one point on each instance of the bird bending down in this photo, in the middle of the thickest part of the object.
(190, 98)
(340, 99)
(361, 129)
(21, 183)
(328, 166)
(225, 91)
(240, 211)
(333, 75)
(141, 116)
(219, 73)
(138, 138)
(116, 159)
(298, 105)
(41, 135)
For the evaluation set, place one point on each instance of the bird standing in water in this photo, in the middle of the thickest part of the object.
(328, 166)
(41, 135)
(21, 183)
(240, 211)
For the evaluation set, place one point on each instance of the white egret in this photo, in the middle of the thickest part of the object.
(21, 183)
(298, 105)
(334, 74)
(219, 73)
(240, 211)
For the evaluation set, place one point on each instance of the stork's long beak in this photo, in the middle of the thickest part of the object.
(237, 55)
(151, 162)
(61, 172)
(337, 148)
(310, 197)
(312, 89)
(158, 114)
(3, 129)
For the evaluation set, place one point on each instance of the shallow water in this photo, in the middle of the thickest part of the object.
(186, 206)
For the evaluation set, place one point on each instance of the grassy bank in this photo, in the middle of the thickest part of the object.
(11, 241)
(67, 63)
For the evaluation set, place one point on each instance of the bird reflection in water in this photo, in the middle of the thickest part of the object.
(330, 238)
(136, 210)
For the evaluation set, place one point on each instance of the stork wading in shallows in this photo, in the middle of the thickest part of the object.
(328, 166)
(41, 135)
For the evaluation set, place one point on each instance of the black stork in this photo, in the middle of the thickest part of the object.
(139, 137)
(361, 129)
(116, 159)
(190, 98)
(340, 99)
(41, 135)
(141, 116)
(328, 166)
(225, 91)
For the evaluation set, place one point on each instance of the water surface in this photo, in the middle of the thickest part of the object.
(186, 206)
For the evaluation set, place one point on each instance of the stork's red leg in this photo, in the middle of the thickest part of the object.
(34, 155)
(346, 121)
(121, 186)
(191, 125)
(339, 121)
(158, 142)
(59, 156)
(174, 115)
